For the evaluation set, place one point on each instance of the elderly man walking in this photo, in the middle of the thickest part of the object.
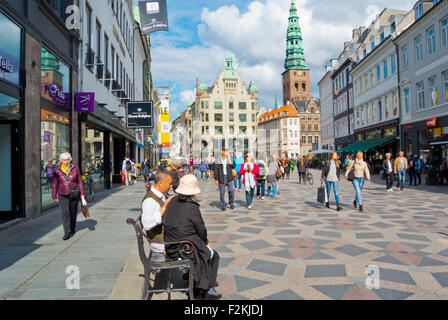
(224, 179)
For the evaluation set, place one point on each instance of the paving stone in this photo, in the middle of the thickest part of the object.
(245, 283)
(396, 276)
(331, 270)
(330, 234)
(256, 245)
(412, 237)
(391, 294)
(284, 295)
(351, 250)
(268, 267)
(369, 235)
(336, 292)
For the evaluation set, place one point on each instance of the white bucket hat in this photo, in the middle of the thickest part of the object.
(188, 185)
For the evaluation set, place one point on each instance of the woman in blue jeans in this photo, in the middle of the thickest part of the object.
(361, 170)
(330, 177)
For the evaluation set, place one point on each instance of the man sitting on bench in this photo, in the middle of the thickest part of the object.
(153, 207)
(183, 221)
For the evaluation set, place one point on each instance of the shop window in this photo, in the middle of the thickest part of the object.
(10, 54)
(9, 104)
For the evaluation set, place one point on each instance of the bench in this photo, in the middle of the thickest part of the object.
(150, 266)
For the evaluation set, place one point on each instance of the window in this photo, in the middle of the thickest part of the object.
(420, 95)
(393, 63)
(404, 55)
(231, 104)
(418, 11)
(372, 77)
(112, 55)
(89, 26)
(366, 79)
(242, 106)
(406, 100)
(202, 104)
(386, 106)
(296, 134)
(431, 39)
(445, 84)
(218, 130)
(106, 52)
(373, 111)
(378, 73)
(253, 105)
(310, 139)
(303, 139)
(444, 31)
(380, 110)
(218, 105)
(206, 117)
(206, 104)
(309, 127)
(433, 91)
(316, 139)
(303, 127)
(385, 69)
(316, 127)
(243, 129)
(253, 117)
(231, 117)
(395, 103)
(285, 134)
(242, 117)
(419, 48)
(10, 49)
(295, 122)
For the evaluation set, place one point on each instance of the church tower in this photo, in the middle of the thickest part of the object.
(296, 77)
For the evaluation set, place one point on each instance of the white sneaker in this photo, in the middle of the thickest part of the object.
(391, 190)
(262, 198)
(388, 190)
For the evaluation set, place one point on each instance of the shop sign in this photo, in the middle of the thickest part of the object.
(6, 66)
(85, 102)
(153, 15)
(139, 114)
(166, 145)
(432, 123)
(409, 127)
(47, 136)
(59, 97)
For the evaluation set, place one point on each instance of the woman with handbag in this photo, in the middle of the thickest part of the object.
(331, 177)
(249, 171)
(360, 170)
(68, 189)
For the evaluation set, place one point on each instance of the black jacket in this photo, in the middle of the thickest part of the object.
(183, 221)
(326, 170)
(301, 168)
(219, 171)
(386, 168)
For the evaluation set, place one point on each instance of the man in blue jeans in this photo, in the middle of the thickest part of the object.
(400, 168)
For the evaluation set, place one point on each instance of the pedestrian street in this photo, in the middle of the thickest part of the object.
(288, 248)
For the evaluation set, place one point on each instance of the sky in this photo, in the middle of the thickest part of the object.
(202, 32)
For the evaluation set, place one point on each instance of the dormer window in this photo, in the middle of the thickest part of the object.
(393, 28)
(418, 11)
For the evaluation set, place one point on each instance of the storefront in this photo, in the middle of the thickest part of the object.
(376, 142)
(55, 118)
(11, 122)
(417, 136)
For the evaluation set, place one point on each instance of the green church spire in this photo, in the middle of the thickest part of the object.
(295, 58)
(230, 73)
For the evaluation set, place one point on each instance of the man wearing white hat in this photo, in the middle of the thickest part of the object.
(183, 221)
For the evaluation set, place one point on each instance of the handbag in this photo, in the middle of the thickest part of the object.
(351, 175)
(278, 173)
(321, 195)
(85, 211)
(75, 194)
(234, 174)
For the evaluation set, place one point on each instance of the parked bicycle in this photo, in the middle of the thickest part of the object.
(89, 185)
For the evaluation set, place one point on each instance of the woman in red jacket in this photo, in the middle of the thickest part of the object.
(67, 177)
(249, 171)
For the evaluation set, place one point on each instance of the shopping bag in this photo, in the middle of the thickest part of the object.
(123, 177)
(321, 195)
(85, 211)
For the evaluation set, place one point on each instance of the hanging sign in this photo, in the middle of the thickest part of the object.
(153, 15)
(85, 102)
(139, 114)
(432, 123)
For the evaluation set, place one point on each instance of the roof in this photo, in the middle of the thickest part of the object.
(278, 113)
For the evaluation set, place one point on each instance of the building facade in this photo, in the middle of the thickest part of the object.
(224, 115)
(296, 84)
(326, 103)
(279, 133)
(423, 81)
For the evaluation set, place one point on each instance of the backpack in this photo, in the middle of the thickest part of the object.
(128, 165)
(262, 170)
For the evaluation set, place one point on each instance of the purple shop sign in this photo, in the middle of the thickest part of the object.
(85, 102)
(47, 136)
(59, 97)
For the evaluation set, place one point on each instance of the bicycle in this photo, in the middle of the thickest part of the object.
(308, 177)
(89, 185)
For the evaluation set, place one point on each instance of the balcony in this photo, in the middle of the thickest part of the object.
(107, 79)
(99, 69)
(90, 59)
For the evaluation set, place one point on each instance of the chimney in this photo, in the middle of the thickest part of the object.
(361, 30)
(355, 34)
(346, 43)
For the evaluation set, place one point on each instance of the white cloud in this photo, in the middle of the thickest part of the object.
(187, 96)
(256, 36)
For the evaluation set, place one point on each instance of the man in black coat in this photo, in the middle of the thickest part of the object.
(301, 168)
(224, 178)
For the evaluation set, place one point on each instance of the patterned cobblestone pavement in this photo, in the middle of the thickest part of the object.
(294, 248)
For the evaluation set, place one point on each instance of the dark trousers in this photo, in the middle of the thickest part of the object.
(389, 180)
(412, 176)
(222, 192)
(419, 176)
(261, 188)
(302, 177)
(250, 196)
(69, 212)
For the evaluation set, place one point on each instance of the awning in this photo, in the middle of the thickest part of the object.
(364, 146)
(439, 140)
(140, 145)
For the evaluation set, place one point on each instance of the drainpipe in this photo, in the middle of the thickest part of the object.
(397, 51)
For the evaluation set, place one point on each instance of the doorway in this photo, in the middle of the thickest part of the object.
(10, 168)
